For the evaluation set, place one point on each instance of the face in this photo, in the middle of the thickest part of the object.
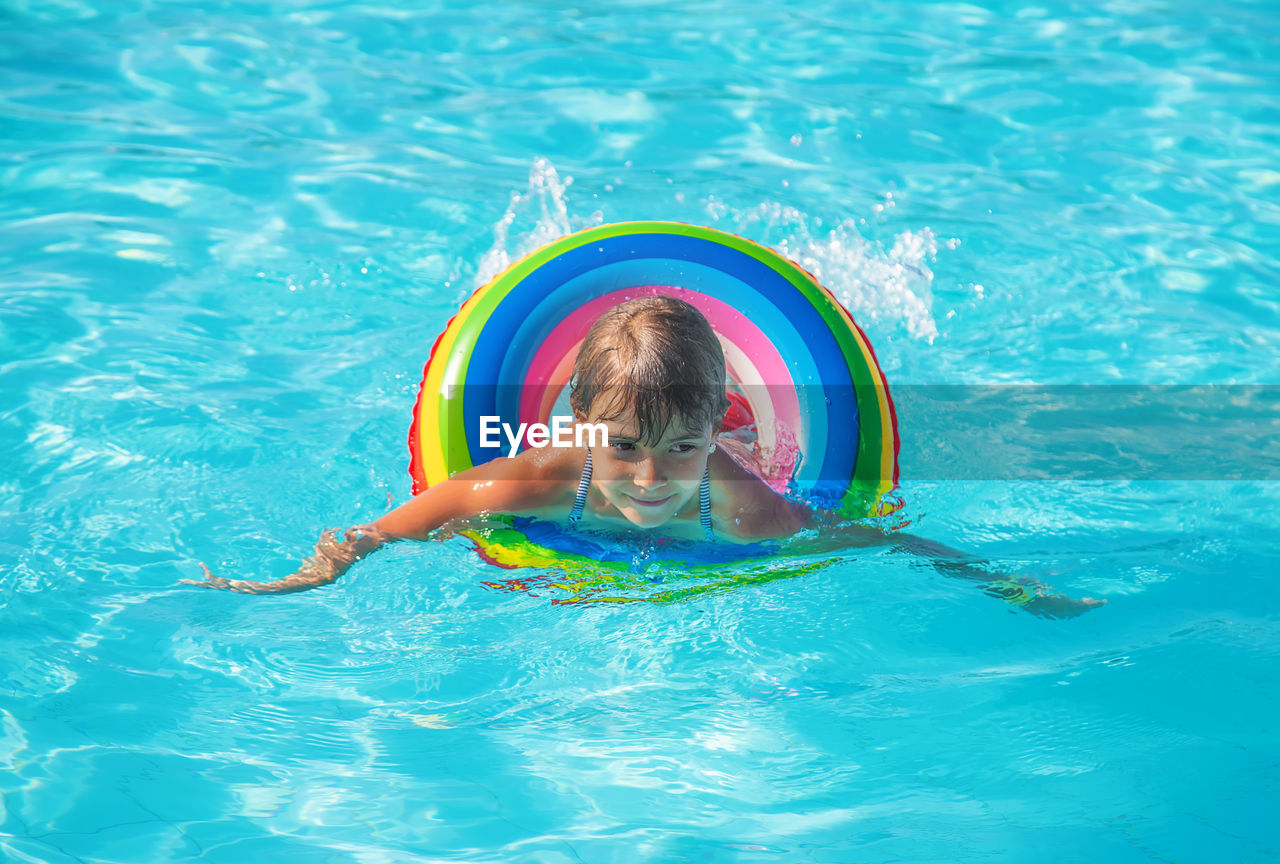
(650, 482)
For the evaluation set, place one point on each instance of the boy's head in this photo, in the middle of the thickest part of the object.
(653, 359)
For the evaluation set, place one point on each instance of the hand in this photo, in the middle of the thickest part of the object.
(332, 558)
(1033, 595)
(240, 586)
(1061, 606)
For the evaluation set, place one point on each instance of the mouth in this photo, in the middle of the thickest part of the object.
(652, 503)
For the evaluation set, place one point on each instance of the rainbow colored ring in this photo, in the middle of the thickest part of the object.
(821, 403)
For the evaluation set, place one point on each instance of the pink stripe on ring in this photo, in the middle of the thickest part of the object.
(549, 370)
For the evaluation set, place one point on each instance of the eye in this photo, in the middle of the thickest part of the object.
(684, 447)
(623, 446)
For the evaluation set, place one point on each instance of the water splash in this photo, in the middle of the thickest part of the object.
(536, 216)
(874, 285)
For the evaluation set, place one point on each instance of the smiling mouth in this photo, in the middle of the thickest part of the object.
(644, 502)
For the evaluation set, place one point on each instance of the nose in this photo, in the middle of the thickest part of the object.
(650, 473)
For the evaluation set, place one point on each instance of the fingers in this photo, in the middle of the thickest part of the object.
(209, 580)
(1061, 606)
(202, 583)
(237, 586)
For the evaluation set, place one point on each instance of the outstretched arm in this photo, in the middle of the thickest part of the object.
(752, 510)
(1023, 591)
(531, 480)
(1030, 594)
(332, 558)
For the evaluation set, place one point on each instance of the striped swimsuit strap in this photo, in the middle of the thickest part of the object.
(704, 499)
(580, 500)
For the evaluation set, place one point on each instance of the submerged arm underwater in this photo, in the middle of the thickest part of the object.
(1020, 591)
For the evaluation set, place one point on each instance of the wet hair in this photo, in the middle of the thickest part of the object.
(655, 358)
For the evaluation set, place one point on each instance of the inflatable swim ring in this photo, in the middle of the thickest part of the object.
(825, 423)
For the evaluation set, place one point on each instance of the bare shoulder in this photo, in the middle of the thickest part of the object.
(534, 479)
(537, 480)
(745, 507)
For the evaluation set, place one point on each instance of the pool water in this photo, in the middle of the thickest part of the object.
(230, 232)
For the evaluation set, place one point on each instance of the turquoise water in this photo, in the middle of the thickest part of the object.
(229, 234)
